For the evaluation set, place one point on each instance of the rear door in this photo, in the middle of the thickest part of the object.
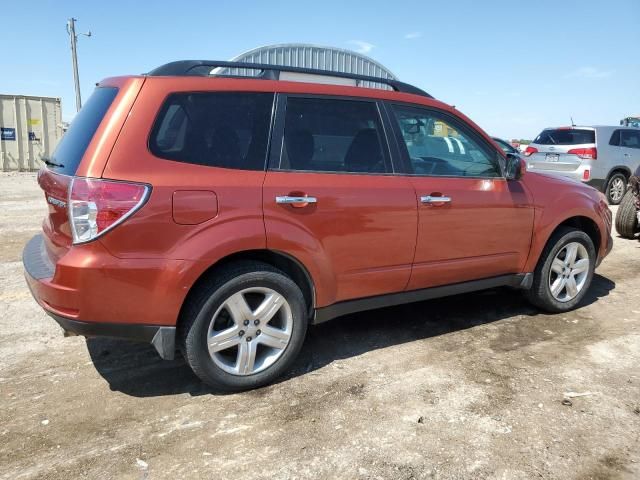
(472, 223)
(553, 146)
(332, 200)
(630, 146)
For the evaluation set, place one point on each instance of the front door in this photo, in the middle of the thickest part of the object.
(472, 222)
(332, 201)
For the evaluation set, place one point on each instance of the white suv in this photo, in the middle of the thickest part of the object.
(604, 157)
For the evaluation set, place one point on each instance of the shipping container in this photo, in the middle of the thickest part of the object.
(30, 128)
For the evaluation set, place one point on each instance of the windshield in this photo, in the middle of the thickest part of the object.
(504, 146)
(565, 136)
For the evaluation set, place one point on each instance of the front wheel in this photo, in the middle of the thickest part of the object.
(244, 328)
(564, 272)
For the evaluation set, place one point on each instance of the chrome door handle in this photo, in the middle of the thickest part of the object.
(286, 199)
(430, 199)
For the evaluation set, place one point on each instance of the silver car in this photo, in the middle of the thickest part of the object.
(603, 157)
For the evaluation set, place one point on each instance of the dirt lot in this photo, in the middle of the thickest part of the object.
(464, 387)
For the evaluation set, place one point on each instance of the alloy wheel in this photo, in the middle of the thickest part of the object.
(569, 271)
(616, 189)
(250, 331)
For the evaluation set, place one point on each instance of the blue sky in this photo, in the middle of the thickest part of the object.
(513, 67)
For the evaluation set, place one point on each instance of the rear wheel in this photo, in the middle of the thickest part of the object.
(616, 187)
(564, 272)
(244, 329)
(627, 217)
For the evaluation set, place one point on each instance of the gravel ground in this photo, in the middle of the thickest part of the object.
(465, 387)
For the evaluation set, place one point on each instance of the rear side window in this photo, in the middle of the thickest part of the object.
(227, 130)
(328, 135)
(615, 138)
(565, 136)
(630, 138)
(74, 143)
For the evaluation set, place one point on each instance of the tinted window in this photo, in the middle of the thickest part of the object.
(228, 130)
(615, 138)
(438, 146)
(75, 141)
(333, 136)
(565, 136)
(630, 138)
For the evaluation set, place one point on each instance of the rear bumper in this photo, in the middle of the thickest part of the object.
(91, 293)
(575, 171)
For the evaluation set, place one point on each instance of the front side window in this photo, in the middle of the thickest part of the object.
(630, 139)
(228, 130)
(438, 146)
(327, 135)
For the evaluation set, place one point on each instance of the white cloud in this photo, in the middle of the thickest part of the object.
(361, 46)
(413, 35)
(589, 72)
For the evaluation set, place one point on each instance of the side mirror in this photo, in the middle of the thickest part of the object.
(515, 167)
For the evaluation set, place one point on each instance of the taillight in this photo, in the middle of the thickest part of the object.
(586, 175)
(96, 205)
(591, 153)
(530, 150)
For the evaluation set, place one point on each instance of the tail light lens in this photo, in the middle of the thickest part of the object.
(530, 150)
(590, 153)
(96, 206)
(586, 175)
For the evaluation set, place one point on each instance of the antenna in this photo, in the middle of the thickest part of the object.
(572, 122)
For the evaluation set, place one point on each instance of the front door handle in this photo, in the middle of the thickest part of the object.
(296, 201)
(430, 199)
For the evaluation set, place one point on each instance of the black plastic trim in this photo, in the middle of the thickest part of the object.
(36, 260)
(596, 183)
(519, 280)
(162, 337)
(202, 68)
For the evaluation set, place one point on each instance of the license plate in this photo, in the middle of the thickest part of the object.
(552, 157)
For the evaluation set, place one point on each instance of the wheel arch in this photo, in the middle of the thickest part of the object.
(280, 260)
(626, 171)
(580, 222)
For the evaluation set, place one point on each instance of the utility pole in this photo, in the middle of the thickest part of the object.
(71, 30)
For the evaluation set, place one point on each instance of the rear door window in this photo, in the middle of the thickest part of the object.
(74, 143)
(630, 138)
(333, 135)
(566, 136)
(220, 129)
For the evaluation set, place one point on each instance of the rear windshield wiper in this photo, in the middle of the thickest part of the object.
(51, 163)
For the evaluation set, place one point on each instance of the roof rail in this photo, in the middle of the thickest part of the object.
(202, 68)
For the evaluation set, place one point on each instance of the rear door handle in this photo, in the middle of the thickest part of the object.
(295, 201)
(431, 199)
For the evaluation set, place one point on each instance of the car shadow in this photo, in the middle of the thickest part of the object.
(135, 369)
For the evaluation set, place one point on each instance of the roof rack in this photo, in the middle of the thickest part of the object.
(202, 68)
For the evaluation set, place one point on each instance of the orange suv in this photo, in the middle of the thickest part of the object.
(219, 216)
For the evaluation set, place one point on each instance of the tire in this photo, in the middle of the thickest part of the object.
(223, 312)
(626, 217)
(563, 240)
(616, 186)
